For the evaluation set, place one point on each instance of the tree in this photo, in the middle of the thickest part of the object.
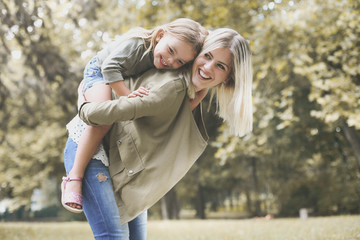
(306, 85)
(39, 76)
(301, 98)
(33, 111)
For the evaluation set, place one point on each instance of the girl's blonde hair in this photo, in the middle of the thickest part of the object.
(234, 98)
(184, 29)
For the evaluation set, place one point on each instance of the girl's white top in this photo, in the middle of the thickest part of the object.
(76, 128)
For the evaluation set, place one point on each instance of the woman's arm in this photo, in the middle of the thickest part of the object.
(159, 101)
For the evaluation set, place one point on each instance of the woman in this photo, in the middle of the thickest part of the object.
(168, 46)
(155, 139)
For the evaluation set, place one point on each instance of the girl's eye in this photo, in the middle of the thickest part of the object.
(207, 55)
(180, 62)
(171, 50)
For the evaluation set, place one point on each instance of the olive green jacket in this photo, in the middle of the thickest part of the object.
(154, 140)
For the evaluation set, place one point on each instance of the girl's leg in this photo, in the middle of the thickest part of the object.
(98, 198)
(89, 141)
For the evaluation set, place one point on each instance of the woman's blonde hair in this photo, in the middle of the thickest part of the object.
(184, 29)
(234, 97)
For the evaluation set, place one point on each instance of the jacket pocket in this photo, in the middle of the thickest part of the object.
(129, 155)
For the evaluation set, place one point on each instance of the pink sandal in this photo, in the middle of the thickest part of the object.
(70, 197)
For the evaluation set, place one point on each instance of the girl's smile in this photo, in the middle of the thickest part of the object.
(172, 53)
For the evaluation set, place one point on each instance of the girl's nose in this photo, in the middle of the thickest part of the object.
(170, 61)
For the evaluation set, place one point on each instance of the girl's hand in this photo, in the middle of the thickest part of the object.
(139, 93)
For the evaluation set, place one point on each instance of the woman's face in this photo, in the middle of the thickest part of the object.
(211, 68)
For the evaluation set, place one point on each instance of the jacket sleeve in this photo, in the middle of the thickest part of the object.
(122, 60)
(159, 101)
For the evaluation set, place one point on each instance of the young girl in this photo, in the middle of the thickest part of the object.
(169, 46)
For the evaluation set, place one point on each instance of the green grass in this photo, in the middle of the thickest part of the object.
(320, 228)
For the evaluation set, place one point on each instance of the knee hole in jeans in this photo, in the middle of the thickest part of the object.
(101, 177)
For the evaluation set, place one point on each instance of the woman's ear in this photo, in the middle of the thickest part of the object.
(159, 35)
(228, 81)
(229, 77)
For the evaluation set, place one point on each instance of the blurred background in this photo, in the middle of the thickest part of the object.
(304, 152)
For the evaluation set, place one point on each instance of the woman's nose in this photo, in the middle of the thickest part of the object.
(208, 65)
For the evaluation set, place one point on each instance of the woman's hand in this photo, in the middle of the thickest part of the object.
(81, 97)
(139, 93)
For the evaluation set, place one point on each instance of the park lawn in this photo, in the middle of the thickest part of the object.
(319, 228)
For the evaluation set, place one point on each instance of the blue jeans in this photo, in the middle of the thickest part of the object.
(99, 202)
(92, 74)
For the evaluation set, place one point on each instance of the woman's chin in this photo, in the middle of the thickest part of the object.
(197, 87)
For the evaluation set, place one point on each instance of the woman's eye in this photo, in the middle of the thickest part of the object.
(221, 67)
(180, 62)
(171, 50)
(207, 55)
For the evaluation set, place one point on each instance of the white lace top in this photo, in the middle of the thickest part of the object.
(76, 127)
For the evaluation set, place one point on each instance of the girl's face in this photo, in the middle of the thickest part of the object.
(211, 68)
(171, 53)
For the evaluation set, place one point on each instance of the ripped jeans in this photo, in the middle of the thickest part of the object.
(99, 202)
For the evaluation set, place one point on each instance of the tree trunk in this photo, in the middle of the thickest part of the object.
(173, 204)
(256, 187)
(353, 137)
(248, 200)
(164, 213)
(169, 206)
(200, 206)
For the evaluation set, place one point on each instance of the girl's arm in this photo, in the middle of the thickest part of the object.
(120, 88)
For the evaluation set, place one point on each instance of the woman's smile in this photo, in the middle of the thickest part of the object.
(203, 74)
(212, 68)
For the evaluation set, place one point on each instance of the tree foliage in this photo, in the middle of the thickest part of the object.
(304, 95)
(303, 152)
